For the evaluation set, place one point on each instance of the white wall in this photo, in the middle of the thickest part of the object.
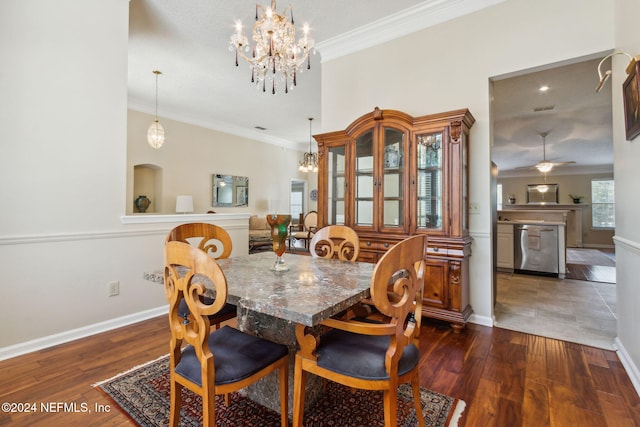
(64, 165)
(448, 67)
(62, 124)
(627, 173)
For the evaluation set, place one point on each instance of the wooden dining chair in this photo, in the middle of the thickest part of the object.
(335, 241)
(372, 355)
(309, 227)
(216, 242)
(218, 362)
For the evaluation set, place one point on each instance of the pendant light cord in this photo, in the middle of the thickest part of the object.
(157, 73)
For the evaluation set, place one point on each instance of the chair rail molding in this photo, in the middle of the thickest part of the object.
(153, 219)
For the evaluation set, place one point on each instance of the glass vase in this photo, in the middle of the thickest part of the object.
(279, 228)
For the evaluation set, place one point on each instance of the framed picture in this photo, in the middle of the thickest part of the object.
(630, 90)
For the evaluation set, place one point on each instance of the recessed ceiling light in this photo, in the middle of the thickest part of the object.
(543, 88)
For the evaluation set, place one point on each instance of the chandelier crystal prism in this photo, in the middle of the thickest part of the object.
(276, 58)
(309, 162)
(155, 134)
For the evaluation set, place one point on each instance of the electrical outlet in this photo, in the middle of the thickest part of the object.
(114, 288)
(474, 208)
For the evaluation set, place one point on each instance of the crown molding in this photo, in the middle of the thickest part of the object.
(416, 18)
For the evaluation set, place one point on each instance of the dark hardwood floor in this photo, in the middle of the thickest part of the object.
(591, 273)
(506, 378)
(591, 265)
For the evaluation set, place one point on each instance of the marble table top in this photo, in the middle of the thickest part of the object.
(312, 290)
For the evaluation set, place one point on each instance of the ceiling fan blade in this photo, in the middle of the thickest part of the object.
(562, 163)
(554, 164)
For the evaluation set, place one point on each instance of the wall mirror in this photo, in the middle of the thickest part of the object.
(230, 191)
(542, 194)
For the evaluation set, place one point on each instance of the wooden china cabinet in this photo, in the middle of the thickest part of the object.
(389, 175)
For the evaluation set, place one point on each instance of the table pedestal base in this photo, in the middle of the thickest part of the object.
(267, 390)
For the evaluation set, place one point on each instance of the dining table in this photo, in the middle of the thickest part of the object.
(271, 304)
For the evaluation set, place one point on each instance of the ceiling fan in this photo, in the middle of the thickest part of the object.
(545, 165)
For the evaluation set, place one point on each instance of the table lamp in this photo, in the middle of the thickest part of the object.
(184, 204)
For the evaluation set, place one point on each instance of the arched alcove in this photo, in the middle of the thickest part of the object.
(147, 181)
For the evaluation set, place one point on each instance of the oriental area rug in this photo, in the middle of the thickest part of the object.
(143, 394)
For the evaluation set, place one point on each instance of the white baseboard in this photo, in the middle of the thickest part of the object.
(481, 320)
(74, 334)
(629, 366)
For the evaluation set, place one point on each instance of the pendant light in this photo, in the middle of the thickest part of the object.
(310, 160)
(155, 134)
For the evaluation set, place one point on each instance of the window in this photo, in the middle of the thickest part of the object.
(499, 191)
(602, 203)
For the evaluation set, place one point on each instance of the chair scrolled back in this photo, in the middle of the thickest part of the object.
(210, 238)
(399, 277)
(187, 268)
(368, 353)
(213, 362)
(335, 241)
(217, 244)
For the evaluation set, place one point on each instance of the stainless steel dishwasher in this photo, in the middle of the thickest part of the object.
(536, 248)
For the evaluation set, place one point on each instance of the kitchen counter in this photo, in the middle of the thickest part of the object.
(570, 214)
(506, 241)
(531, 221)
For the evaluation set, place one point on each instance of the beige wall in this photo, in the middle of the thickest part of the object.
(567, 184)
(192, 154)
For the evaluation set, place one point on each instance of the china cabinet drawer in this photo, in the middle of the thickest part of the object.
(372, 245)
(436, 249)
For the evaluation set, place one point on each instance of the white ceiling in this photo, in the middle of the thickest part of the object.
(579, 122)
(188, 40)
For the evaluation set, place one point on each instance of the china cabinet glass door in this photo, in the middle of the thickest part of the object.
(393, 178)
(364, 180)
(429, 185)
(336, 166)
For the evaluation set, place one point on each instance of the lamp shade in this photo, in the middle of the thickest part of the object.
(184, 204)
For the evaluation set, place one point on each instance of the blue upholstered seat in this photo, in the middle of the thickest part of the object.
(229, 310)
(361, 356)
(236, 355)
(205, 362)
(377, 352)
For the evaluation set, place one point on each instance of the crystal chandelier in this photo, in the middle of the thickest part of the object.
(310, 160)
(276, 56)
(155, 134)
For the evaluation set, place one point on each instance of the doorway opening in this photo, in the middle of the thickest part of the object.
(577, 121)
(298, 200)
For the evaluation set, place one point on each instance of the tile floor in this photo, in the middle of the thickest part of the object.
(570, 310)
